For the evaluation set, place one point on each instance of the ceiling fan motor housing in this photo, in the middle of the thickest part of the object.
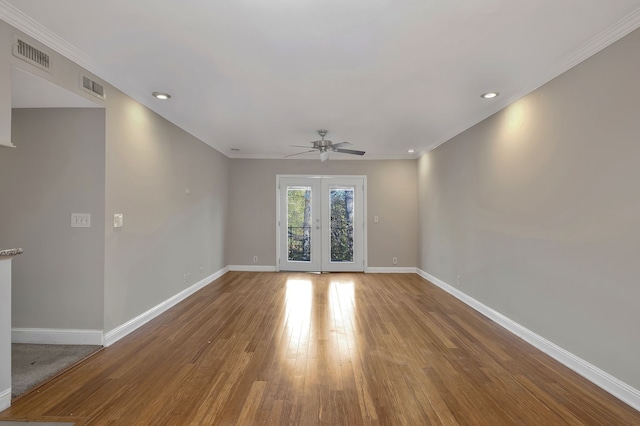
(324, 147)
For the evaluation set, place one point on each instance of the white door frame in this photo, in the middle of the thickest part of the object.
(315, 262)
(362, 226)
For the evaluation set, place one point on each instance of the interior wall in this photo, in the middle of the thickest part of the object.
(391, 195)
(150, 166)
(6, 41)
(56, 168)
(537, 207)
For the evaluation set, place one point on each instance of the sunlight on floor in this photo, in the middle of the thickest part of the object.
(342, 305)
(299, 299)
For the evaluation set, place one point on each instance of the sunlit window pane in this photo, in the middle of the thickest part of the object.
(341, 200)
(299, 223)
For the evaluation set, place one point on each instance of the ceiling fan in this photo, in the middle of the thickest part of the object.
(325, 147)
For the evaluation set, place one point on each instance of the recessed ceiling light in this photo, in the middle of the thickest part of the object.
(411, 151)
(489, 95)
(161, 95)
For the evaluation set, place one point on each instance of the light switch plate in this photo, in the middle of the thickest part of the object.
(80, 220)
(118, 220)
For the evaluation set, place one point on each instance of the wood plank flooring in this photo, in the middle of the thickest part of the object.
(321, 349)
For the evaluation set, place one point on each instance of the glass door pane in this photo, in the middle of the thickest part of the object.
(341, 225)
(299, 238)
(299, 223)
(321, 223)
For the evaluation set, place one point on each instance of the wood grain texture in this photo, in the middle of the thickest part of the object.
(321, 349)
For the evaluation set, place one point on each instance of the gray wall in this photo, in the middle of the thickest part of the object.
(391, 195)
(537, 207)
(5, 331)
(6, 58)
(150, 163)
(56, 169)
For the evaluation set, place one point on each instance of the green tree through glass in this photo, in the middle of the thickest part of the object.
(341, 224)
(299, 223)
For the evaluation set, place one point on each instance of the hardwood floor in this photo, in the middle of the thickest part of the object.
(295, 348)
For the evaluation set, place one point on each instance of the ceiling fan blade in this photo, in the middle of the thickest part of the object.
(300, 146)
(300, 153)
(338, 145)
(349, 151)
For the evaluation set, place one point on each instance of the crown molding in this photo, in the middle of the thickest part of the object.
(607, 37)
(29, 26)
(23, 22)
(315, 157)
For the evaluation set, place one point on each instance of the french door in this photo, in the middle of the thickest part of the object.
(321, 223)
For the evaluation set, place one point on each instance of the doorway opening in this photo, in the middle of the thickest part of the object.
(321, 223)
(60, 140)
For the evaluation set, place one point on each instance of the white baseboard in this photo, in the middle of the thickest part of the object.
(121, 331)
(252, 268)
(390, 270)
(614, 386)
(5, 399)
(369, 270)
(57, 336)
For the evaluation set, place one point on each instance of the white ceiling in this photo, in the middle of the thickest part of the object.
(30, 91)
(386, 75)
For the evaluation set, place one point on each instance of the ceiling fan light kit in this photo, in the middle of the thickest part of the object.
(324, 147)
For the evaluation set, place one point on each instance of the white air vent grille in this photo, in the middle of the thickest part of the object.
(93, 87)
(34, 56)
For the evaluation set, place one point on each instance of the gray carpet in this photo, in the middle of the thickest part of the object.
(33, 364)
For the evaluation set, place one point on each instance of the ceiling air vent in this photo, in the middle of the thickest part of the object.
(34, 56)
(96, 89)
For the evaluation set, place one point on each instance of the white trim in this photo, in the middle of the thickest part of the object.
(359, 184)
(252, 268)
(5, 399)
(23, 22)
(601, 378)
(609, 36)
(365, 230)
(314, 156)
(57, 336)
(29, 26)
(122, 330)
(390, 270)
(15, 17)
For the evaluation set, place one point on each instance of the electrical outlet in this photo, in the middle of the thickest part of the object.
(458, 280)
(80, 220)
(255, 259)
(201, 271)
(395, 260)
